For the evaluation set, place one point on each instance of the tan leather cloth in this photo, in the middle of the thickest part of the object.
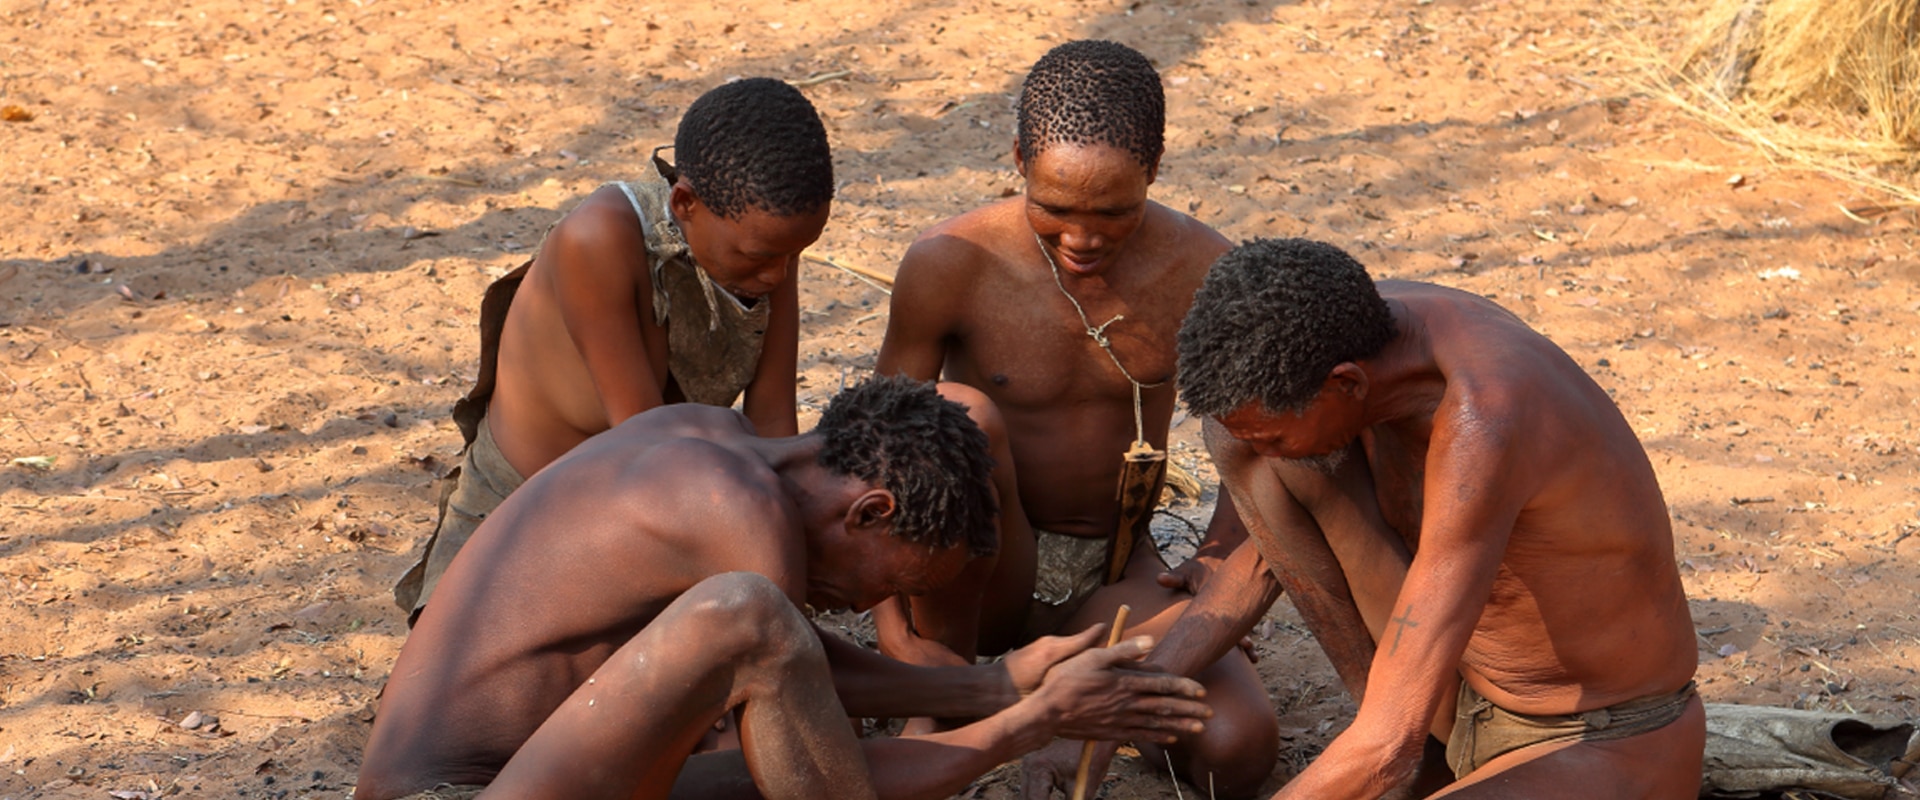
(446, 792)
(714, 340)
(1069, 570)
(473, 490)
(1483, 731)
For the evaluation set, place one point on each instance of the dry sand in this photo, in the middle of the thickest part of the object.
(246, 241)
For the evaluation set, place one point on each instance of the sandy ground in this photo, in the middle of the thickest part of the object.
(245, 242)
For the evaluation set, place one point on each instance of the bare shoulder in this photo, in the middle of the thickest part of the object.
(1431, 299)
(948, 266)
(955, 250)
(1184, 229)
(1187, 244)
(987, 222)
(602, 229)
(1505, 382)
(702, 488)
(1229, 455)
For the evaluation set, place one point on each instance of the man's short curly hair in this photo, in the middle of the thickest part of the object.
(755, 143)
(1272, 320)
(899, 434)
(1093, 92)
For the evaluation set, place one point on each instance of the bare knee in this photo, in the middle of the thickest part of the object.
(1237, 753)
(1241, 745)
(980, 409)
(747, 619)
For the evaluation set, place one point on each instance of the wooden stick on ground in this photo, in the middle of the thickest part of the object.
(878, 279)
(1086, 750)
(820, 77)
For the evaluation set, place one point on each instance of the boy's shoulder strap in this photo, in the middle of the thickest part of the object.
(665, 243)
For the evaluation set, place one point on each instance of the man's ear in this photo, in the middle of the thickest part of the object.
(1019, 161)
(1153, 169)
(684, 203)
(1350, 380)
(873, 508)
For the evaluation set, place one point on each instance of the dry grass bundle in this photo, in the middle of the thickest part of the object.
(1858, 58)
(1830, 85)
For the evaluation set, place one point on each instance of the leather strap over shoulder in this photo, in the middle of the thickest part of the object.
(666, 170)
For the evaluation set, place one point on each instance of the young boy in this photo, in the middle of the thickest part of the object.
(1059, 310)
(648, 583)
(678, 287)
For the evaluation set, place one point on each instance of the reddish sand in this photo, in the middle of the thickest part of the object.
(247, 241)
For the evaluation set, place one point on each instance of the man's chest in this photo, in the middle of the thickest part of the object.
(1035, 349)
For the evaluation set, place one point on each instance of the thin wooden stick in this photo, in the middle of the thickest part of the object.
(1086, 750)
(822, 77)
(883, 280)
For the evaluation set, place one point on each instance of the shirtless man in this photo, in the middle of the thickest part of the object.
(679, 287)
(623, 600)
(1464, 520)
(1002, 299)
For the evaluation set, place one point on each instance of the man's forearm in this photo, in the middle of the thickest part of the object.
(1311, 577)
(1234, 598)
(941, 765)
(899, 768)
(873, 685)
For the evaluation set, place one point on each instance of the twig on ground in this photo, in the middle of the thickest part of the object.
(471, 184)
(875, 278)
(443, 81)
(820, 77)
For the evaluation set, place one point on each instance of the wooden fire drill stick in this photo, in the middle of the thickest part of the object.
(1086, 750)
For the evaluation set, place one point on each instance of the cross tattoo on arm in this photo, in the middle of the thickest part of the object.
(1404, 621)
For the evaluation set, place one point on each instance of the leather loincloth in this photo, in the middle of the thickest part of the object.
(714, 340)
(1068, 571)
(1483, 731)
(473, 490)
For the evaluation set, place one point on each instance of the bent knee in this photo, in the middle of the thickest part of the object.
(1242, 742)
(980, 409)
(1238, 751)
(745, 615)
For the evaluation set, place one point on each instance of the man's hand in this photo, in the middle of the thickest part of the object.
(1055, 767)
(1093, 696)
(1028, 666)
(1190, 575)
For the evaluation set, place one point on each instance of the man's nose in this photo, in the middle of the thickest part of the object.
(1079, 239)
